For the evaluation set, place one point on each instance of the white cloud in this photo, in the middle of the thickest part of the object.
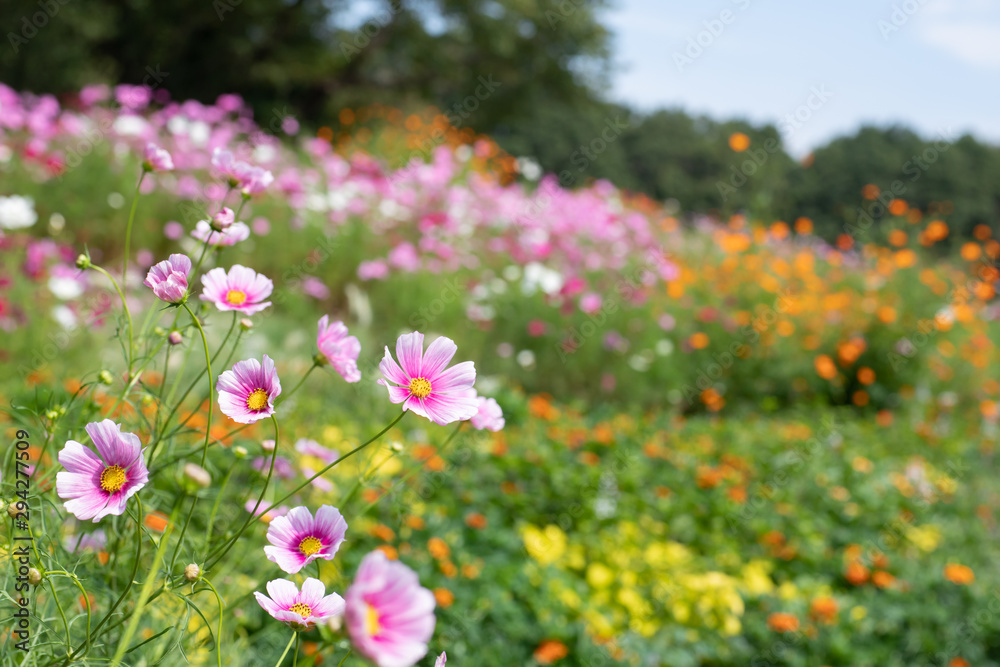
(968, 30)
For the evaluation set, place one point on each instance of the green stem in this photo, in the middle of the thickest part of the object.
(215, 506)
(285, 397)
(290, 642)
(147, 588)
(253, 513)
(341, 459)
(128, 314)
(211, 383)
(128, 587)
(298, 643)
(218, 636)
(344, 659)
(128, 228)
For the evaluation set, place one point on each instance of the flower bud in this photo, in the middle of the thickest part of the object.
(175, 338)
(105, 377)
(223, 220)
(34, 576)
(83, 262)
(246, 324)
(240, 451)
(12, 510)
(335, 623)
(197, 474)
(267, 445)
(396, 446)
(192, 572)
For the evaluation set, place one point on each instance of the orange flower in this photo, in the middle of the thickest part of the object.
(739, 142)
(738, 494)
(540, 406)
(708, 477)
(415, 522)
(444, 597)
(958, 662)
(389, 551)
(699, 341)
(883, 579)
(384, 533)
(866, 375)
(825, 367)
(782, 622)
(803, 226)
(438, 548)
(824, 609)
(156, 521)
(549, 651)
(856, 573)
(475, 520)
(897, 237)
(898, 207)
(959, 574)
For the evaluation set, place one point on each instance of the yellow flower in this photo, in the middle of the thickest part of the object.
(600, 576)
(755, 577)
(858, 613)
(544, 545)
(927, 538)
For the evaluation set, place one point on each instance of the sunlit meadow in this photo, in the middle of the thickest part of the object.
(381, 394)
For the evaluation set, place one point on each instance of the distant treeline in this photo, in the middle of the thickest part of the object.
(547, 63)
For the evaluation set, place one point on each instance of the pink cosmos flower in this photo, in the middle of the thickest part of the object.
(339, 349)
(247, 392)
(266, 511)
(441, 660)
(300, 609)
(389, 615)
(223, 220)
(256, 180)
(168, 279)
(424, 385)
(96, 485)
(95, 541)
(157, 159)
(241, 289)
(308, 447)
(232, 235)
(489, 416)
(298, 539)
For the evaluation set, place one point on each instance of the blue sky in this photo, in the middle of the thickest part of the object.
(933, 65)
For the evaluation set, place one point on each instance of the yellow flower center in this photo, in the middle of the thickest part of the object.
(420, 387)
(303, 610)
(257, 400)
(372, 624)
(236, 297)
(310, 545)
(112, 479)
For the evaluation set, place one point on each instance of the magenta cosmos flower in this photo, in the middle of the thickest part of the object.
(389, 615)
(489, 415)
(231, 235)
(425, 387)
(339, 350)
(96, 485)
(247, 392)
(241, 289)
(300, 609)
(298, 539)
(157, 159)
(168, 279)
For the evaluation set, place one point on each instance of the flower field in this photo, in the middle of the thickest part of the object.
(377, 394)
